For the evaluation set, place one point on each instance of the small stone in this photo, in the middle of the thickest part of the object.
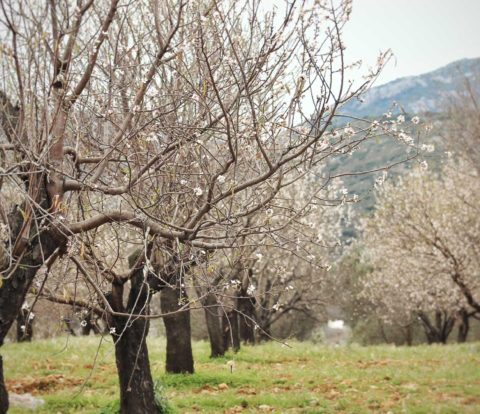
(26, 401)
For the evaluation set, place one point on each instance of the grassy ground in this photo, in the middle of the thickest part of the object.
(76, 375)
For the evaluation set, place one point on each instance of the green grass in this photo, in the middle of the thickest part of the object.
(79, 376)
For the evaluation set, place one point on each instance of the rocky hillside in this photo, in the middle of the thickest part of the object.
(425, 95)
(429, 92)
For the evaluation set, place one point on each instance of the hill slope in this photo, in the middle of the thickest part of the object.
(429, 92)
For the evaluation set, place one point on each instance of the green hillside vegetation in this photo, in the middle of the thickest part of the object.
(380, 152)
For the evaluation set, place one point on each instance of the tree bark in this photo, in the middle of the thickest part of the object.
(247, 317)
(382, 331)
(24, 326)
(69, 326)
(231, 337)
(137, 395)
(3, 391)
(214, 325)
(178, 331)
(408, 330)
(90, 323)
(33, 249)
(438, 331)
(463, 327)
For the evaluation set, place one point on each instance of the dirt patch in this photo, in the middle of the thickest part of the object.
(328, 391)
(458, 397)
(41, 385)
(246, 391)
(471, 401)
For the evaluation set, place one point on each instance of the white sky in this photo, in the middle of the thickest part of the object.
(423, 34)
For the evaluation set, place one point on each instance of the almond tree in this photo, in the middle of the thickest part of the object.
(157, 126)
(289, 275)
(278, 272)
(422, 242)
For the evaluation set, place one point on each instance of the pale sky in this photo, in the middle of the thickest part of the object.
(423, 34)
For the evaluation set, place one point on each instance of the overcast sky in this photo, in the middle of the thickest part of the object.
(423, 34)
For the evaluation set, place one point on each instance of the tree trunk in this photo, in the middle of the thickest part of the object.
(24, 326)
(463, 327)
(231, 337)
(69, 326)
(382, 331)
(408, 330)
(437, 333)
(247, 317)
(137, 395)
(32, 249)
(3, 391)
(214, 325)
(434, 338)
(177, 326)
(90, 323)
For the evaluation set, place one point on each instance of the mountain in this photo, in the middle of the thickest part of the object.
(429, 92)
(425, 95)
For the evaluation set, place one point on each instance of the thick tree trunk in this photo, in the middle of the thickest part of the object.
(3, 391)
(177, 327)
(382, 331)
(247, 317)
(434, 337)
(463, 327)
(137, 395)
(33, 249)
(90, 324)
(24, 326)
(214, 325)
(69, 326)
(231, 337)
(437, 332)
(408, 331)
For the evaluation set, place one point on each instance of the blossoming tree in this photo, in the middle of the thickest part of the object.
(155, 126)
(422, 242)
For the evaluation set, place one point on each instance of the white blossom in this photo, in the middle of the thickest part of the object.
(349, 131)
(428, 147)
